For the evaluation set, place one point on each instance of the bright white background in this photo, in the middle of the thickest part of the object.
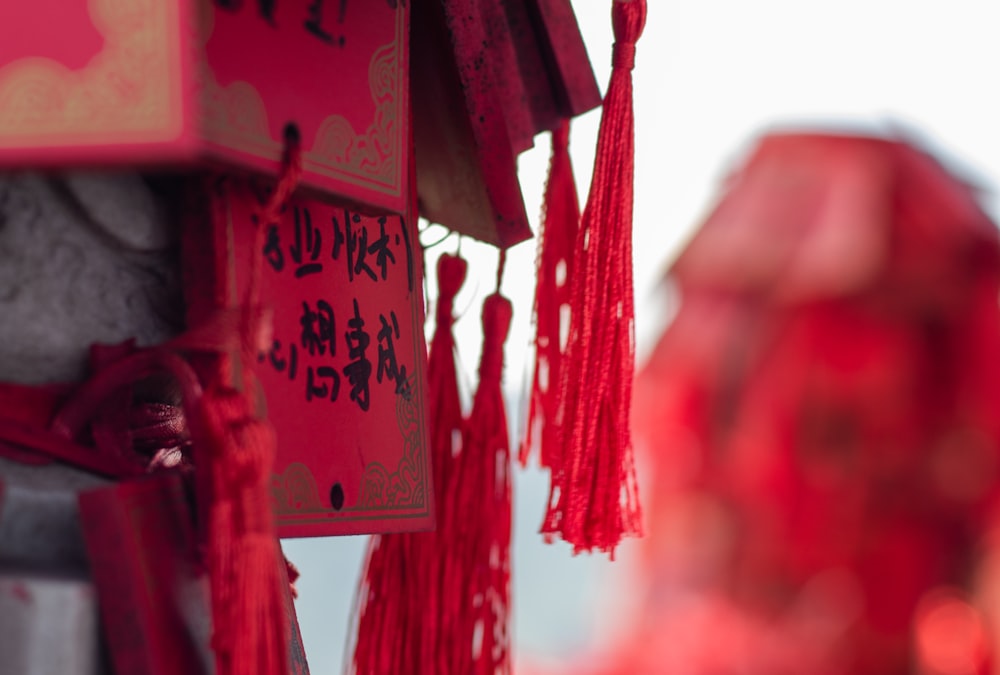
(710, 76)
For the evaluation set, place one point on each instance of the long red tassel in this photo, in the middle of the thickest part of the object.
(399, 622)
(560, 223)
(477, 570)
(249, 622)
(244, 560)
(594, 497)
(448, 423)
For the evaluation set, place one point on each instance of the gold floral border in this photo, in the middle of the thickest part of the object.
(294, 492)
(130, 90)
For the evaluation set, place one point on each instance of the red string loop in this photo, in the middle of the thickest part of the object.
(451, 271)
(497, 314)
(501, 266)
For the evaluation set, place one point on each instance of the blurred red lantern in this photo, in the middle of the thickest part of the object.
(830, 385)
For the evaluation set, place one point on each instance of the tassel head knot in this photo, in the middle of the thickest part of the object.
(451, 272)
(628, 18)
(450, 275)
(497, 313)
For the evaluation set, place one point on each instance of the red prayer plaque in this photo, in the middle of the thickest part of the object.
(178, 82)
(344, 375)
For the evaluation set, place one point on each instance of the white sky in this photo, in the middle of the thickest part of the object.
(710, 76)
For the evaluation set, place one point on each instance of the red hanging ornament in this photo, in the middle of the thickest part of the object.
(399, 622)
(442, 378)
(243, 556)
(560, 222)
(594, 496)
(476, 573)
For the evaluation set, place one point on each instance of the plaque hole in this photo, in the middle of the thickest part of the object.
(337, 497)
(291, 133)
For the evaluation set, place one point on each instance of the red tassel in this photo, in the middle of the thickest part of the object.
(594, 497)
(448, 419)
(560, 222)
(399, 622)
(250, 630)
(477, 570)
(386, 636)
(442, 378)
(249, 621)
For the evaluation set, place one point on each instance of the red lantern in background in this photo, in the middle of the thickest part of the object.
(821, 418)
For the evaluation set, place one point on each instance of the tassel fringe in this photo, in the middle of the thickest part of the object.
(594, 497)
(554, 267)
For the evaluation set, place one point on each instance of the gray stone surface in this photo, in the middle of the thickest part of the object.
(83, 258)
(39, 517)
(48, 626)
